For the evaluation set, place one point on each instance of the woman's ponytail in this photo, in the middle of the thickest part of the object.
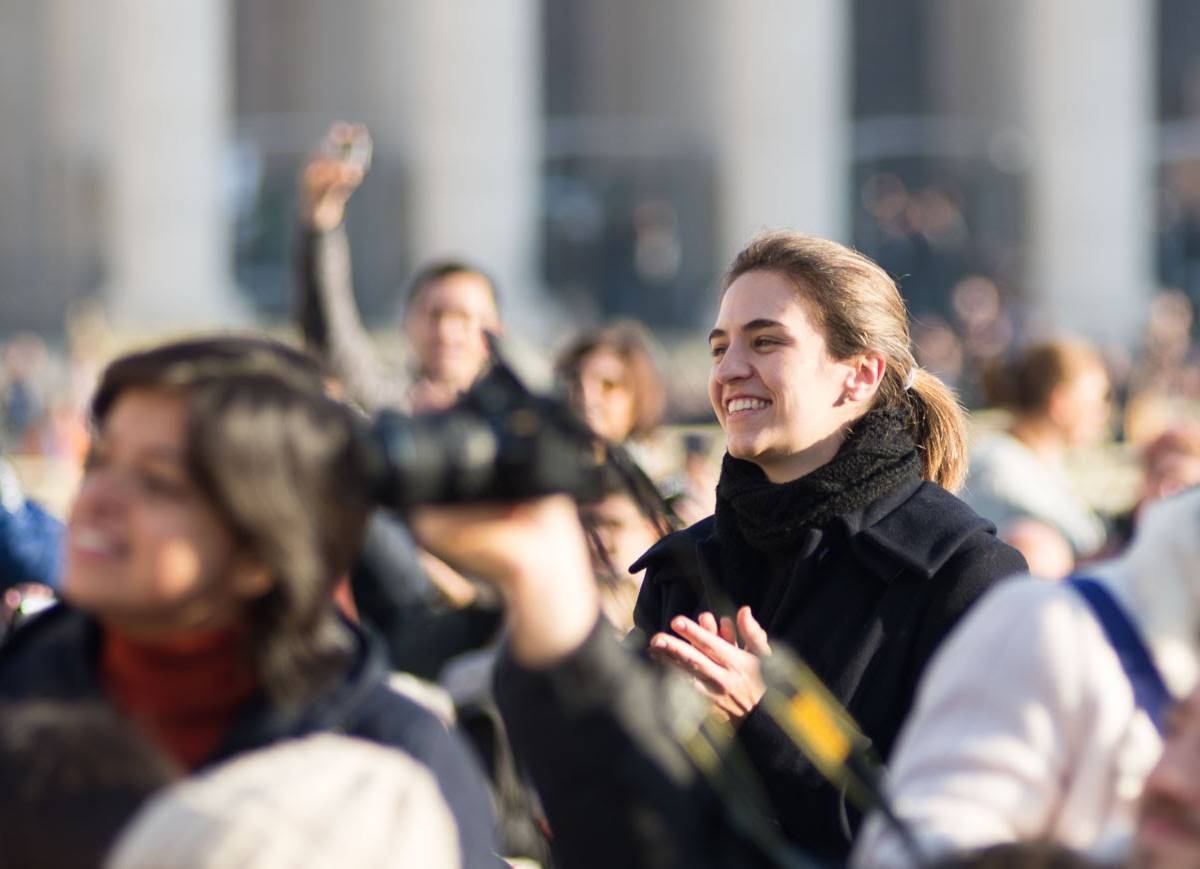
(939, 429)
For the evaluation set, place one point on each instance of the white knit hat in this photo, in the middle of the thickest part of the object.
(320, 801)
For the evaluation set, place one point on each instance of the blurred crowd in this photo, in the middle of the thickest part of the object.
(833, 627)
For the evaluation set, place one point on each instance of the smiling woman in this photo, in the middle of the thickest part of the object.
(224, 496)
(834, 531)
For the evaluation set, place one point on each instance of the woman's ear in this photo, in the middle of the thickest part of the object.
(865, 376)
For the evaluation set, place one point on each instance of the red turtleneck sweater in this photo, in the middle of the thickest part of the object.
(186, 691)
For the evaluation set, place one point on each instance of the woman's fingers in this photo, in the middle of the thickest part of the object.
(728, 632)
(708, 622)
(753, 636)
(708, 642)
(675, 651)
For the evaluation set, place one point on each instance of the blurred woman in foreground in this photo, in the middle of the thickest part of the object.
(224, 496)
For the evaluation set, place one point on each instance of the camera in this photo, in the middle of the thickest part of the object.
(501, 442)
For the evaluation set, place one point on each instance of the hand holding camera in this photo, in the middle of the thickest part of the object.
(333, 173)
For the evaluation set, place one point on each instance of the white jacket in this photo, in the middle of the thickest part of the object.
(1007, 481)
(1025, 724)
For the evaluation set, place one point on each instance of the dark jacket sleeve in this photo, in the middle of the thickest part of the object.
(329, 319)
(617, 788)
(396, 600)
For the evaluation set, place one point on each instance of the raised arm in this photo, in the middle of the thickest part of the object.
(327, 313)
(585, 716)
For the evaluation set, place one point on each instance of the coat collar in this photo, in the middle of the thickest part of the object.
(915, 529)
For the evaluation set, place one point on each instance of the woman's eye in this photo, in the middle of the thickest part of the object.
(160, 484)
(762, 343)
(716, 352)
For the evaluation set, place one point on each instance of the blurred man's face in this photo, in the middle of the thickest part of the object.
(1168, 830)
(446, 325)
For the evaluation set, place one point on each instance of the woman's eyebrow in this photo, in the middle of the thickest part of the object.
(752, 326)
(761, 323)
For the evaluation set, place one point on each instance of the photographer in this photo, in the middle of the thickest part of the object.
(584, 714)
(426, 612)
(224, 496)
(449, 305)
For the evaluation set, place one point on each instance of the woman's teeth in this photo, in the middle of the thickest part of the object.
(745, 404)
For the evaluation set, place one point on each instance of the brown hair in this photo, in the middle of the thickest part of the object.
(857, 307)
(438, 270)
(1024, 384)
(629, 341)
(280, 462)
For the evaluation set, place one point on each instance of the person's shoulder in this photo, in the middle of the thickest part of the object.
(385, 716)
(931, 529)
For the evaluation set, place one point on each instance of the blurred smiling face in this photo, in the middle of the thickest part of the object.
(146, 550)
(776, 391)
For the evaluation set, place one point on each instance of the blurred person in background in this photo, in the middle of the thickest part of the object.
(614, 382)
(691, 491)
(628, 518)
(449, 305)
(1058, 394)
(834, 531)
(1169, 463)
(1028, 725)
(426, 612)
(25, 362)
(224, 496)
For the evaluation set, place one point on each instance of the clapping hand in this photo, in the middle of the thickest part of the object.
(722, 658)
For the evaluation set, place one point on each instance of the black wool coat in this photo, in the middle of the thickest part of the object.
(869, 599)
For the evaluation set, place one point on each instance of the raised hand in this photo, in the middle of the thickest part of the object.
(333, 173)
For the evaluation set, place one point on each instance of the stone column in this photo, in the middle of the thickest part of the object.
(1070, 83)
(1087, 80)
(458, 85)
(169, 254)
(779, 117)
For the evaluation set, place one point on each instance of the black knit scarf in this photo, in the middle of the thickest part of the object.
(754, 513)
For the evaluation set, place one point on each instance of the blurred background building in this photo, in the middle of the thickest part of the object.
(1018, 166)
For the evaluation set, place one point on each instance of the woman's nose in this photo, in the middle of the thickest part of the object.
(731, 366)
(100, 492)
